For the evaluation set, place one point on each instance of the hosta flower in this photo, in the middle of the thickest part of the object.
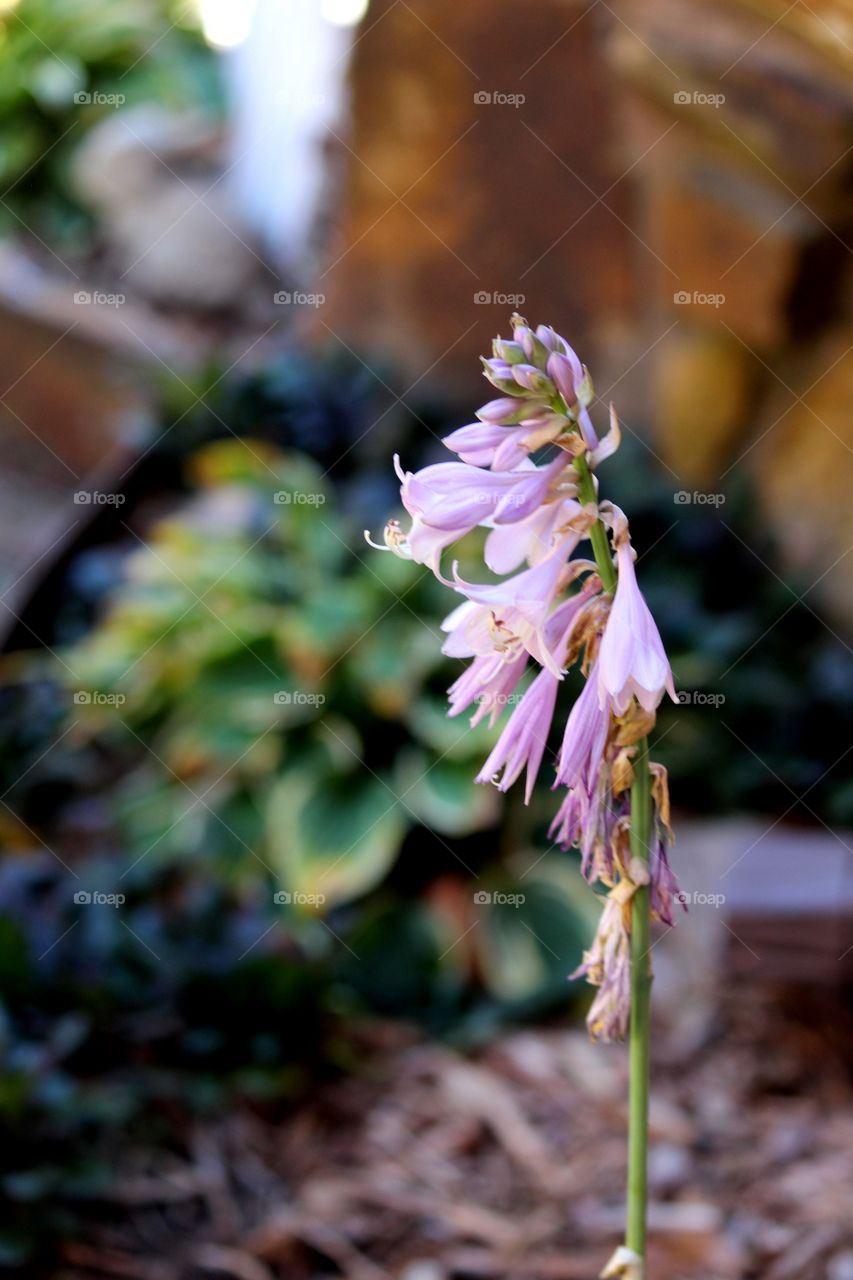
(582, 753)
(519, 606)
(489, 682)
(632, 662)
(524, 737)
(551, 609)
(454, 495)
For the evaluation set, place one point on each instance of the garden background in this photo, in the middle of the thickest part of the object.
(283, 993)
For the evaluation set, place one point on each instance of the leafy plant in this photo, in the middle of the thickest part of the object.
(64, 64)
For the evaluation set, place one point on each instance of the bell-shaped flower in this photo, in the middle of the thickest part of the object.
(524, 737)
(489, 681)
(516, 610)
(453, 495)
(533, 539)
(631, 661)
(584, 740)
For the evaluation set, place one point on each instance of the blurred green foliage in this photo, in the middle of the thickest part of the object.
(61, 64)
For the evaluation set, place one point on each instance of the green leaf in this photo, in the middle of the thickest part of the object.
(533, 931)
(335, 837)
(442, 794)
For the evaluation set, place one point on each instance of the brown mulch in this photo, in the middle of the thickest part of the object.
(426, 1165)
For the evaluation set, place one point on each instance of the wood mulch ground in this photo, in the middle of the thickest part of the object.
(426, 1165)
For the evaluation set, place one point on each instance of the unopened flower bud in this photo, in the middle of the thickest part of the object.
(534, 350)
(551, 339)
(499, 373)
(562, 374)
(584, 389)
(508, 412)
(532, 379)
(505, 349)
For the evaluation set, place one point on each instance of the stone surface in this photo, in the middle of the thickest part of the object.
(448, 197)
(803, 469)
(703, 384)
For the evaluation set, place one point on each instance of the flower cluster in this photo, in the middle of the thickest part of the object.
(526, 473)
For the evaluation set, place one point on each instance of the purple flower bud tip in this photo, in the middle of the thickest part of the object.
(531, 378)
(562, 374)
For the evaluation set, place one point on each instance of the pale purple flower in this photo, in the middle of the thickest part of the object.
(487, 444)
(524, 737)
(509, 411)
(570, 819)
(519, 606)
(535, 523)
(531, 539)
(582, 753)
(489, 681)
(453, 495)
(631, 662)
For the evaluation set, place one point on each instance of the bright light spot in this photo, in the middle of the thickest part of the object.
(344, 13)
(226, 23)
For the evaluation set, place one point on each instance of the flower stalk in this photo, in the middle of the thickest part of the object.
(639, 1035)
(553, 609)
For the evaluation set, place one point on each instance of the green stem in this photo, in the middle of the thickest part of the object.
(639, 1034)
(641, 971)
(597, 534)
